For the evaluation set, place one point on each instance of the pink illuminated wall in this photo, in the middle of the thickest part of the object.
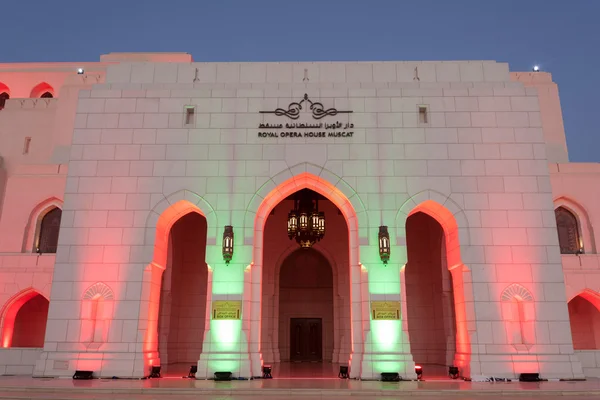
(429, 295)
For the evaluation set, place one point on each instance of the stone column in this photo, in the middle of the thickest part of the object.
(226, 342)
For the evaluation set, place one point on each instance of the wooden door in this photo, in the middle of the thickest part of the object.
(306, 343)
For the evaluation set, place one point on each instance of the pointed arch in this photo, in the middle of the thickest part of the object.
(446, 212)
(516, 291)
(295, 176)
(584, 225)
(43, 90)
(275, 190)
(170, 209)
(9, 313)
(160, 220)
(455, 227)
(4, 94)
(584, 319)
(34, 223)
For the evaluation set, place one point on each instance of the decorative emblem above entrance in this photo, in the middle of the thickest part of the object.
(317, 109)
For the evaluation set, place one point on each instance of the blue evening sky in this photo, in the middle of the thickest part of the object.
(561, 36)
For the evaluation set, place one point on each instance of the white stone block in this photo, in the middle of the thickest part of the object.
(501, 167)
(471, 72)
(487, 151)
(505, 201)
(384, 72)
(426, 151)
(447, 72)
(359, 72)
(512, 119)
(279, 72)
(527, 103)
(483, 119)
(494, 103)
(443, 168)
(467, 104)
(497, 135)
(495, 72)
(458, 119)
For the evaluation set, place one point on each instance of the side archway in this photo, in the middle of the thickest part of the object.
(454, 227)
(165, 215)
(24, 319)
(584, 318)
(258, 211)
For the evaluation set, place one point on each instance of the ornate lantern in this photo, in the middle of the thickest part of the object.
(384, 244)
(305, 223)
(227, 243)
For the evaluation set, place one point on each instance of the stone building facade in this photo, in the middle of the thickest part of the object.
(121, 181)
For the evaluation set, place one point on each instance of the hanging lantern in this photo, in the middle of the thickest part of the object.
(292, 227)
(321, 224)
(305, 223)
(228, 243)
(384, 244)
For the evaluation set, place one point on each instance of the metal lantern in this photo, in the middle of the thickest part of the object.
(228, 243)
(384, 244)
(292, 227)
(305, 223)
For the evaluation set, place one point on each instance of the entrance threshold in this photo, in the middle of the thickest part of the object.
(305, 370)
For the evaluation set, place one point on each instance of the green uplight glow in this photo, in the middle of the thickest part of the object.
(386, 335)
(225, 335)
(228, 279)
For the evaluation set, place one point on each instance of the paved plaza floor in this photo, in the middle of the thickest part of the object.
(284, 388)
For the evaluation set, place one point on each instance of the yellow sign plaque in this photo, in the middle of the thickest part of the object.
(226, 309)
(385, 310)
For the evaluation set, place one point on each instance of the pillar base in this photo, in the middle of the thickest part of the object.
(373, 364)
(104, 364)
(236, 363)
(510, 366)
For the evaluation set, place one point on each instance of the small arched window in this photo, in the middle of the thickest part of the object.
(3, 97)
(568, 231)
(46, 95)
(49, 229)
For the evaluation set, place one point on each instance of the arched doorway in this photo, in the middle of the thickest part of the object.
(429, 296)
(585, 324)
(306, 307)
(306, 294)
(24, 321)
(182, 311)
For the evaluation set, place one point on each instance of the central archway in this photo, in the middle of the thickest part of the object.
(357, 277)
(306, 311)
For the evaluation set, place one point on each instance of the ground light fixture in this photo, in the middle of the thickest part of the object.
(80, 71)
(419, 372)
(384, 244)
(155, 371)
(453, 372)
(343, 372)
(266, 372)
(228, 243)
(193, 370)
